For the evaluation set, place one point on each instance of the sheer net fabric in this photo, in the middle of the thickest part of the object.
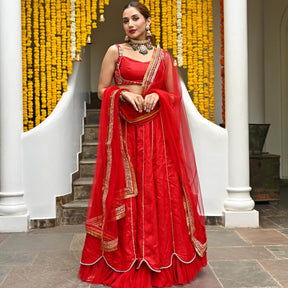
(145, 222)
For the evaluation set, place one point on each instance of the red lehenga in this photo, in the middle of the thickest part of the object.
(145, 222)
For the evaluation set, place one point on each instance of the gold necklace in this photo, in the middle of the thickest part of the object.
(142, 45)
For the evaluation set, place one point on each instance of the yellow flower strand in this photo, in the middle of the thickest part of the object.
(58, 54)
(205, 59)
(146, 3)
(169, 24)
(64, 39)
(30, 72)
(83, 23)
(101, 6)
(78, 25)
(200, 57)
(152, 11)
(48, 56)
(68, 42)
(174, 29)
(184, 26)
(211, 60)
(36, 65)
(88, 17)
(191, 38)
(24, 65)
(43, 87)
(94, 13)
(164, 25)
(184, 33)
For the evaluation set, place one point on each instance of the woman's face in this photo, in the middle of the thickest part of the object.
(134, 23)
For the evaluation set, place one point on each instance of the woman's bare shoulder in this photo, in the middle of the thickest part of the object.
(113, 49)
(112, 52)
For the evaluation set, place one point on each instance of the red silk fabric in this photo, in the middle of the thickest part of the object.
(145, 211)
(125, 72)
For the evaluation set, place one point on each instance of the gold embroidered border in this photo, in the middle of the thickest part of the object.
(120, 212)
(142, 117)
(109, 159)
(148, 69)
(199, 247)
(168, 183)
(94, 233)
(152, 70)
(110, 245)
(131, 189)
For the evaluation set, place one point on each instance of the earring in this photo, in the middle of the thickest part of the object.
(149, 34)
(127, 39)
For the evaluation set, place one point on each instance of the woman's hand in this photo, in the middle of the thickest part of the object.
(135, 99)
(150, 101)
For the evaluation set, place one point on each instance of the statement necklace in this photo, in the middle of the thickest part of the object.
(142, 45)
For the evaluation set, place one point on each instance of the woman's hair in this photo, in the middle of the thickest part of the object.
(140, 7)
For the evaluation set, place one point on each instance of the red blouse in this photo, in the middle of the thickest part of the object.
(125, 72)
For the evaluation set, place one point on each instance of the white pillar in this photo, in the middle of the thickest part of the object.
(13, 212)
(238, 207)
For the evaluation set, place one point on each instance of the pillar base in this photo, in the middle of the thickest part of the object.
(241, 219)
(14, 223)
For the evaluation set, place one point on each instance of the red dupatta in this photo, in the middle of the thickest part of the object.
(114, 179)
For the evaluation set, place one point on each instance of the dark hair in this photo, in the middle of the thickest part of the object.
(140, 7)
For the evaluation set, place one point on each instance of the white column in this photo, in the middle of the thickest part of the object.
(13, 212)
(238, 207)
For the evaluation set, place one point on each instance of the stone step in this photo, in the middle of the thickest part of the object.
(82, 187)
(95, 102)
(74, 212)
(92, 116)
(91, 132)
(89, 150)
(87, 167)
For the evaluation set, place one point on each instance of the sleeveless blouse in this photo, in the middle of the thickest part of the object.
(129, 71)
(145, 221)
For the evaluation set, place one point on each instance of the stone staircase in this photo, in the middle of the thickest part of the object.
(73, 208)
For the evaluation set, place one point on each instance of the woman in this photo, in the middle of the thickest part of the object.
(145, 221)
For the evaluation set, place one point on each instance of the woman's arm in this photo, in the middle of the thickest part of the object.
(107, 70)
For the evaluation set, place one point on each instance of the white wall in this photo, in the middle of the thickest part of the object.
(217, 66)
(50, 149)
(274, 11)
(211, 152)
(256, 92)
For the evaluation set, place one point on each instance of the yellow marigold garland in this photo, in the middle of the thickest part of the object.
(43, 87)
(83, 23)
(174, 29)
(94, 13)
(184, 32)
(211, 61)
(164, 25)
(187, 29)
(24, 57)
(60, 28)
(169, 24)
(48, 56)
(48, 42)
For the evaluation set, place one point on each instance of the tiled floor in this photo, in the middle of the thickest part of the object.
(236, 257)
